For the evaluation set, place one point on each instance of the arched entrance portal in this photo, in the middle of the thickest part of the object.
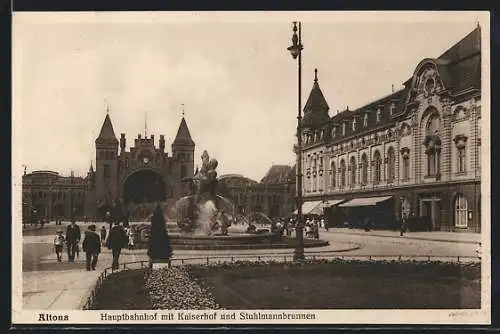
(144, 186)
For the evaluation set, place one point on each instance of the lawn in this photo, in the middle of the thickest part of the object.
(341, 286)
(344, 285)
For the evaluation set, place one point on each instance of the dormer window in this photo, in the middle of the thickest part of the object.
(343, 129)
(354, 124)
(393, 108)
(379, 114)
(365, 120)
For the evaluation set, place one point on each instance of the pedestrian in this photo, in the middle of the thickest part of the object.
(117, 239)
(316, 231)
(404, 224)
(367, 225)
(131, 236)
(73, 236)
(58, 244)
(92, 247)
(103, 235)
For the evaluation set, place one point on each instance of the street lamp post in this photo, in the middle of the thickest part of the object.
(296, 52)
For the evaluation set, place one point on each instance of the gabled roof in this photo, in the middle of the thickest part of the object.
(183, 136)
(277, 174)
(316, 108)
(107, 133)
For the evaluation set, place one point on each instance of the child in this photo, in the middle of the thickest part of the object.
(58, 244)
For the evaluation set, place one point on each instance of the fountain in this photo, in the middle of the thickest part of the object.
(203, 219)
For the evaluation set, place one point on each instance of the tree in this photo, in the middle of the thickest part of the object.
(160, 247)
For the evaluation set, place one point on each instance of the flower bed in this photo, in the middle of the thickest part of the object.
(175, 289)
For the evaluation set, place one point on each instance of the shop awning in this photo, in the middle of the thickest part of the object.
(364, 201)
(331, 203)
(307, 207)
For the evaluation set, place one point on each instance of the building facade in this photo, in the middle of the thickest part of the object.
(415, 152)
(274, 195)
(145, 173)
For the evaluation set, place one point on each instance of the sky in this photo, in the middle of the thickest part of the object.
(231, 71)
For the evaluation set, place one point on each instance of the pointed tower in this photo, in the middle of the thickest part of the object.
(183, 154)
(106, 173)
(316, 108)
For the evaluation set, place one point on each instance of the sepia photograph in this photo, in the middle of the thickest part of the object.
(251, 168)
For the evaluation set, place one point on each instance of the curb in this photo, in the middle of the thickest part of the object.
(88, 293)
(414, 238)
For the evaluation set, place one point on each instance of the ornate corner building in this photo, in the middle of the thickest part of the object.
(144, 174)
(415, 152)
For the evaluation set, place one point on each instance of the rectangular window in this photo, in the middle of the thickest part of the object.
(431, 165)
(106, 172)
(406, 168)
(461, 160)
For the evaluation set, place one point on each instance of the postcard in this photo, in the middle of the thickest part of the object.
(251, 168)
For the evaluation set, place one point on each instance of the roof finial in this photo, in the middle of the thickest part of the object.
(107, 106)
(392, 88)
(182, 105)
(315, 75)
(347, 108)
(146, 125)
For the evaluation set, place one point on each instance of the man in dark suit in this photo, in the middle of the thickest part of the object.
(117, 239)
(73, 236)
(92, 247)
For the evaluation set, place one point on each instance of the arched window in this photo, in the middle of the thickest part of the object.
(364, 169)
(432, 127)
(342, 173)
(433, 145)
(391, 162)
(333, 175)
(353, 171)
(460, 211)
(377, 163)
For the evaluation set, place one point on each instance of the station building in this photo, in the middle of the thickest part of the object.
(415, 152)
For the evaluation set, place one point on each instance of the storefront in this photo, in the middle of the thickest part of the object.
(378, 211)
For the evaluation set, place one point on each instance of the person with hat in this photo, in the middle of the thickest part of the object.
(58, 244)
(92, 247)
